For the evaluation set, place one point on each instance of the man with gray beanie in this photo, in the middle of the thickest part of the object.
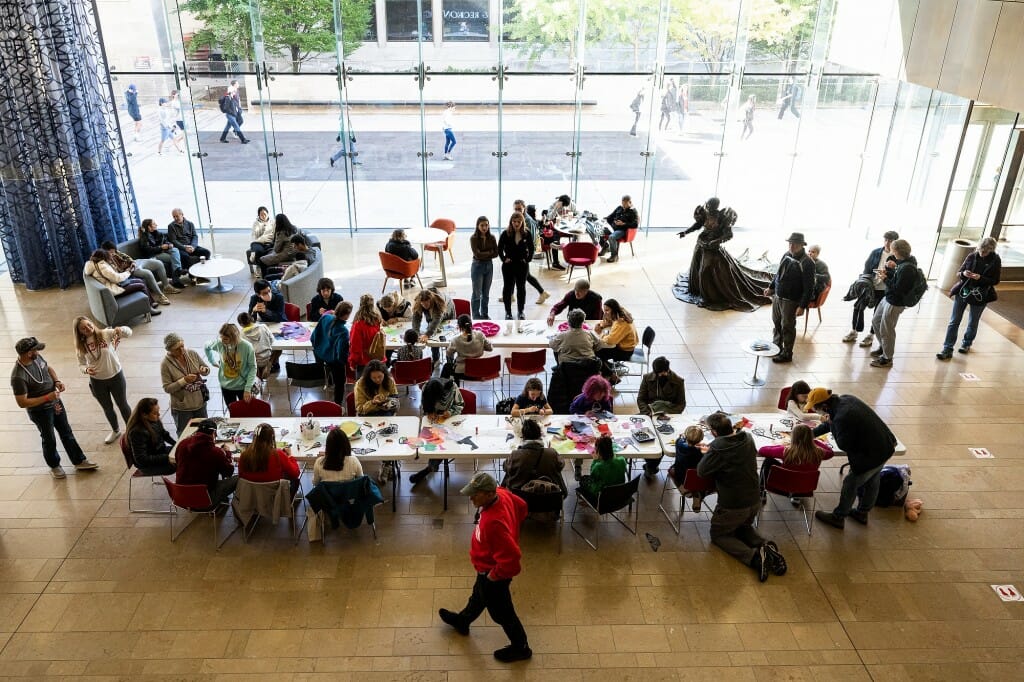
(182, 372)
(495, 554)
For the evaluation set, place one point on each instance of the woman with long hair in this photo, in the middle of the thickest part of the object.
(237, 365)
(470, 343)
(264, 462)
(796, 402)
(149, 441)
(376, 392)
(596, 396)
(617, 332)
(532, 400)
(481, 272)
(283, 250)
(441, 399)
(365, 324)
(103, 271)
(436, 308)
(515, 249)
(97, 358)
(338, 464)
(803, 453)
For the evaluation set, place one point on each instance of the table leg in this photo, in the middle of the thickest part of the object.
(219, 287)
(755, 380)
(446, 474)
(394, 487)
(442, 281)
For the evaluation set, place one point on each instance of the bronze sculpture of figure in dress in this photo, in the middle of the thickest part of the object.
(716, 280)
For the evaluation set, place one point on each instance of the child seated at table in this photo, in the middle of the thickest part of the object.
(532, 400)
(607, 469)
(688, 454)
(411, 350)
(803, 453)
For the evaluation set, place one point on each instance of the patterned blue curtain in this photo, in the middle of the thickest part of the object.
(64, 185)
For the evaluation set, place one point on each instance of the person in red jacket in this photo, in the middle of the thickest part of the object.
(201, 462)
(365, 324)
(264, 462)
(495, 554)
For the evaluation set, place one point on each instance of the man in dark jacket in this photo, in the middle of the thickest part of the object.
(231, 107)
(153, 244)
(791, 291)
(731, 461)
(182, 233)
(266, 305)
(868, 444)
(580, 297)
(661, 392)
(201, 462)
(877, 260)
(621, 220)
(899, 281)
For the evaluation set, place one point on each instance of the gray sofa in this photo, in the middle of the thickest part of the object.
(110, 311)
(301, 288)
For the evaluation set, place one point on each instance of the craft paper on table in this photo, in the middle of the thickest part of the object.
(564, 447)
(294, 331)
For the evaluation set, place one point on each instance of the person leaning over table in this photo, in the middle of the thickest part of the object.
(237, 365)
(868, 443)
(575, 343)
(148, 439)
(531, 460)
(375, 390)
(469, 343)
(338, 464)
(200, 461)
(263, 462)
(596, 396)
(532, 400)
(580, 298)
(436, 308)
(796, 402)
(440, 400)
(182, 372)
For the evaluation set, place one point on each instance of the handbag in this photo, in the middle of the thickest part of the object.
(376, 349)
(504, 406)
(204, 390)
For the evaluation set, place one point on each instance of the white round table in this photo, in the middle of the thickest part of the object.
(217, 268)
(759, 349)
(429, 235)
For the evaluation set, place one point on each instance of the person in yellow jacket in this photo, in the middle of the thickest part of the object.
(618, 335)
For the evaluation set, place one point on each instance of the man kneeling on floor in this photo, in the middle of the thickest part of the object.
(731, 461)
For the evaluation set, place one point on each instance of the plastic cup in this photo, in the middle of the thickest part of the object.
(508, 327)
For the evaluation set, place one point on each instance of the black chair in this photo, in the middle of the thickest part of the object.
(546, 503)
(641, 355)
(608, 501)
(304, 375)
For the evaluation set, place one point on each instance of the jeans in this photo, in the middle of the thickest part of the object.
(222, 490)
(149, 279)
(449, 140)
(110, 391)
(171, 260)
(959, 305)
(613, 241)
(884, 324)
(514, 275)
(869, 480)
(496, 597)
(733, 531)
(46, 420)
(481, 272)
(784, 323)
(183, 417)
(231, 124)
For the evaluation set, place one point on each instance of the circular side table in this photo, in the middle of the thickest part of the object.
(217, 268)
(759, 349)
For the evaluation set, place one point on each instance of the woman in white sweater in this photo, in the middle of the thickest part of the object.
(468, 344)
(97, 358)
(338, 463)
(118, 283)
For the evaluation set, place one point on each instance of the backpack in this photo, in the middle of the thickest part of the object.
(376, 350)
(504, 406)
(916, 292)
(893, 486)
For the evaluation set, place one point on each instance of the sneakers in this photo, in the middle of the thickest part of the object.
(112, 436)
(86, 465)
(859, 516)
(511, 654)
(163, 300)
(944, 355)
(831, 519)
(867, 341)
(170, 289)
(881, 361)
(963, 350)
(775, 558)
(850, 338)
(876, 353)
(453, 619)
(155, 310)
(761, 563)
(543, 297)
(57, 472)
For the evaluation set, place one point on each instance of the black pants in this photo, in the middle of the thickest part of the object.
(259, 250)
(514, 275)
(496, 597)
(230, 395)
(190, 259)
(339, 377)
(608, 355)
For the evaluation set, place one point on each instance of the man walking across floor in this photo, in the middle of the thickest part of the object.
(231, 107)
(868, 444)
(495, 554)
(37, 389)
(791, 291)
(731, 461)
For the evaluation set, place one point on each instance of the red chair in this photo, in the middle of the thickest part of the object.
(798, 486)
(350, 404)
(321, 408)
(526, 364)
(292, 313)
(692, 483)
(784, 398)
(579, 255)
(194, 499)
(255, 409)
(309, 310)
(468, 401)
(412, 372)
(628, 239)
(396, 268)
(129, 463)
(462, 307)
(440, 247)
(816, 303)
(487, 368)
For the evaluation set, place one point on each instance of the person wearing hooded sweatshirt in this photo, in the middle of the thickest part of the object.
(899, 281)
(731, 462)
(661, 392)
(330, 346)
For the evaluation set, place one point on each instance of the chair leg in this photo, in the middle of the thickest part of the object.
(572, 523)
(385, 285)
(631, 249)
(677, 526)
(588, 273)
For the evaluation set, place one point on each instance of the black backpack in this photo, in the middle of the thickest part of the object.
(916, 292)
(893, 486)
